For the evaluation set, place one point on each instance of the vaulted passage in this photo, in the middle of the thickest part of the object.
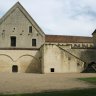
(14, 68)
(91, 68)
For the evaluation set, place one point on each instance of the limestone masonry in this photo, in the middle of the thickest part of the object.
(24, 47)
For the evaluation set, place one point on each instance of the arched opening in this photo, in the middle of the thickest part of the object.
(14, 68)
(29, 64)
(90, 68)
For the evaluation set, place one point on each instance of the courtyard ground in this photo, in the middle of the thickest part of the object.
(32, 83)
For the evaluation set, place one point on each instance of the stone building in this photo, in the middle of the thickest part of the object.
(24, 47)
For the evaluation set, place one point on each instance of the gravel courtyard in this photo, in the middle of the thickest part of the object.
(30, 83)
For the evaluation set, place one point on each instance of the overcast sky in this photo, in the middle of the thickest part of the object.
(61, 17)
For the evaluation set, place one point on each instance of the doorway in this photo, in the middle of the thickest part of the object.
(14, 68)
(52, 69)
(90, 68)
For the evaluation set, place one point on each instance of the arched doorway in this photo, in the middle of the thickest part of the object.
(14, 68)
(90, 68)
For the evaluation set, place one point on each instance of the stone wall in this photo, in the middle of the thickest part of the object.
(60, 60)
(87, 55)
(17, 24)
(27, 61)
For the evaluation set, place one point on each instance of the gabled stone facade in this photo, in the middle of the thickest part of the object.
(16, 22)
(24, 47)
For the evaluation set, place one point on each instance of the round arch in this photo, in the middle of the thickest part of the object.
(7, 56)
(90, 68)
(29, 64)
(30, 56)
(6, 62)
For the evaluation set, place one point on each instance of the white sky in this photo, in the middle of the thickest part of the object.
(61, 17)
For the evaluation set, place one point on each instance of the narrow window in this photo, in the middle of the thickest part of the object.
(13, 41)
(52, 69)
(30, 29)
(33, 42)
(14, 68)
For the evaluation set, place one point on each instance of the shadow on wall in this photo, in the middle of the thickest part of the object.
(89, 56)
(34, 66)
(30, 64)
(24, 64)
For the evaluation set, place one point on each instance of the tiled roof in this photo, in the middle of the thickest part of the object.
(67, 39)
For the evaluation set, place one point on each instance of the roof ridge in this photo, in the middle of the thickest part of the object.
(68, 39)
(66, 35)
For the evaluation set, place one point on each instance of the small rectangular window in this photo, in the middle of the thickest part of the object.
(52, 69)
(13, 41)
(33, 42)
(30, 29)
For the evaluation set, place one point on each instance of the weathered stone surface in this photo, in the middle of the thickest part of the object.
(51, 54)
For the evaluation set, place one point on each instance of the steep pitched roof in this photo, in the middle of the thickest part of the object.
(68, 39)
(94, 32)
(26, 14)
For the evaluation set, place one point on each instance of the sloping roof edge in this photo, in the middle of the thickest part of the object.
(94, 32)
(22, 9)
(71, 54)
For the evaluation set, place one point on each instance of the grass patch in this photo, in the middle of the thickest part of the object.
(83, 92)
(89, 80)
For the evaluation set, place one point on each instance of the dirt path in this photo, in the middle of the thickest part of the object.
(29, 83)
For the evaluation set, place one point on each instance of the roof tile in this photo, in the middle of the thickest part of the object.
(68, 39)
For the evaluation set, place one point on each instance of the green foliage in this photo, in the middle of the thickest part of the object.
(89, 80)
(83, 92)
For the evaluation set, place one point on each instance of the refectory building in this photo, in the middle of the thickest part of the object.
(24, 47)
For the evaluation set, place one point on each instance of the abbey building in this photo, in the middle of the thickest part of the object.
(25, 48)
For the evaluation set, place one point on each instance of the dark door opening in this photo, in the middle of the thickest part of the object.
(90, 68)
(13, 41)
(14, 68)
(52, 69)
(33, 42)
